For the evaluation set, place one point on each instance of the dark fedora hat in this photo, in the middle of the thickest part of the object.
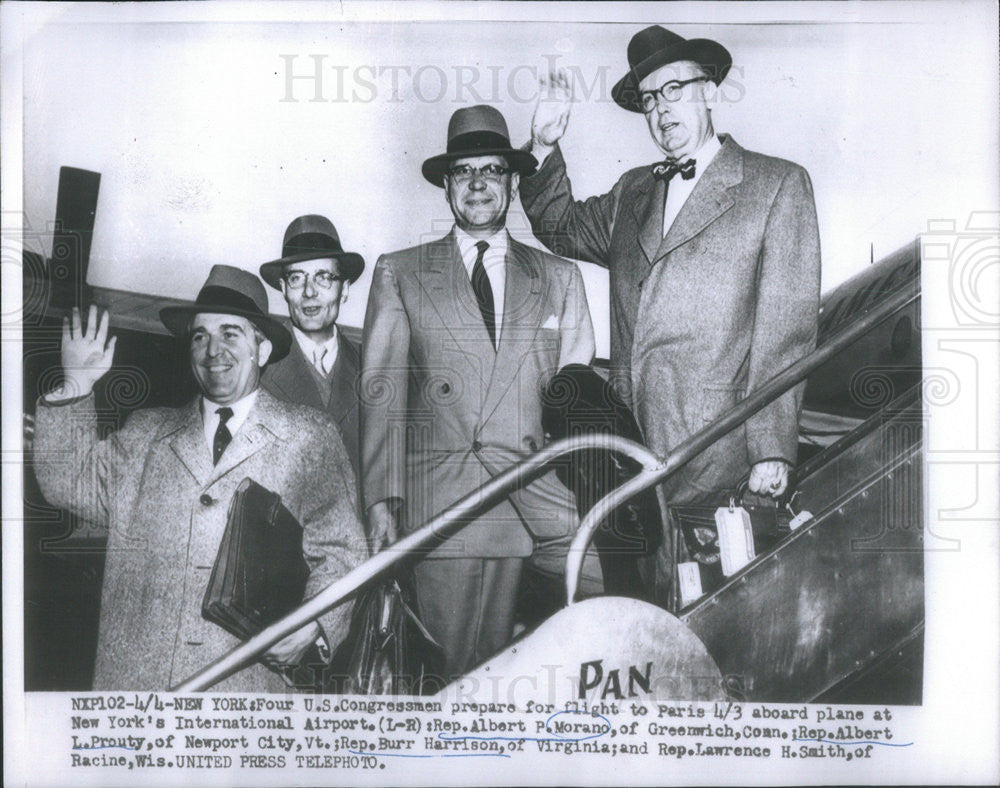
(477, 131)
(231, 291)
(655, 47)
(312, 237)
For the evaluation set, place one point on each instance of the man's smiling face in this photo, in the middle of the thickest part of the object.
(227, 353)
(479, 202)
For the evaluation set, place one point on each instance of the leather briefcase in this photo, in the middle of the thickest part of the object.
(259, 573)
(388, 651)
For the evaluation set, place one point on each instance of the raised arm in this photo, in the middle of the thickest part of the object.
(569, 228)
(71, 464)
(551, 117)
(86, 355)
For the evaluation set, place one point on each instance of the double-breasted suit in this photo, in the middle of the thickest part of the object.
(444, 410)
(293, 380)
(165, 505)
(707, 312)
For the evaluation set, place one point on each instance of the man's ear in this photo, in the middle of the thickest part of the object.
(515, 181)
(264, 352)
(344, 289)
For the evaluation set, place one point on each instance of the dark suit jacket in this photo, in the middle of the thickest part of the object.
(444, 411)
(291, 380)
(708, 313)
(152, 483)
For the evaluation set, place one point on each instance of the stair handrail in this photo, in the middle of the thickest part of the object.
(653, 471)
(491, 492)
(695, 444)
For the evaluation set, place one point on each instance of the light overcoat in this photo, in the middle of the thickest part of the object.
(152, 483)
(709, 311)
(444, 411)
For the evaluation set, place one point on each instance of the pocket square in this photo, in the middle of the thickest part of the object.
(551, 322)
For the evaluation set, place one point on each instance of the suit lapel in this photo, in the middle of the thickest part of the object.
(187, 441)
(291, 378)
(522, 316)
(256, 432)
(710, 198)
(448, 292)
(342, 380)
(647, 209)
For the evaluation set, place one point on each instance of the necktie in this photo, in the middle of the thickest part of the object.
(222, 434)
(319, 359)
(484, 293)
(666, 170)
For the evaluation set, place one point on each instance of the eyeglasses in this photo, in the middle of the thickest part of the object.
(490, 172)
(296, 280)
(668, 91)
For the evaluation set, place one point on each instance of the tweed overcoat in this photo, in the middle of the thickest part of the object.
(153, 484)
(707, 313)
(443, 411)
(291, 379)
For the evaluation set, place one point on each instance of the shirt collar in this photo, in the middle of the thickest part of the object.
(706, 153)
(241, 408)
(467, 245)
(308, 344)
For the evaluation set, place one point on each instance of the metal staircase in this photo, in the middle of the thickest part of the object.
(836, 609)
(828, 601)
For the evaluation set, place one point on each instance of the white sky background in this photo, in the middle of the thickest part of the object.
(202, 161)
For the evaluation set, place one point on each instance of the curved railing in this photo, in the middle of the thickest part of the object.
(705, 437)
(455, 515)
(654, 470)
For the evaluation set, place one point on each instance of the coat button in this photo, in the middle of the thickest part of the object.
(206, 499)
(476, 446)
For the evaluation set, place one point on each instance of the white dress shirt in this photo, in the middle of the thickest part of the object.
(321, 355)
(210, 419)
(679, 189)
(493, 262)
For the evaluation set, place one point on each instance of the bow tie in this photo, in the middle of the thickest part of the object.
(666, 170)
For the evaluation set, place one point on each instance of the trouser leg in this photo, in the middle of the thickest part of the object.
(549, 558)
(467, 604)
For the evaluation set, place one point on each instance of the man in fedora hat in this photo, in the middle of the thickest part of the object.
(460, 336)
(314, 274)
(714, 266)
(163, 482)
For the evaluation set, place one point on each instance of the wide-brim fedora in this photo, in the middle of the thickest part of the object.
(312, 237)
(477, 131)
(655, 47)
(231, 291)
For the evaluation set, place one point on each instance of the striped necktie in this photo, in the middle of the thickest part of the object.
(222, 434)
